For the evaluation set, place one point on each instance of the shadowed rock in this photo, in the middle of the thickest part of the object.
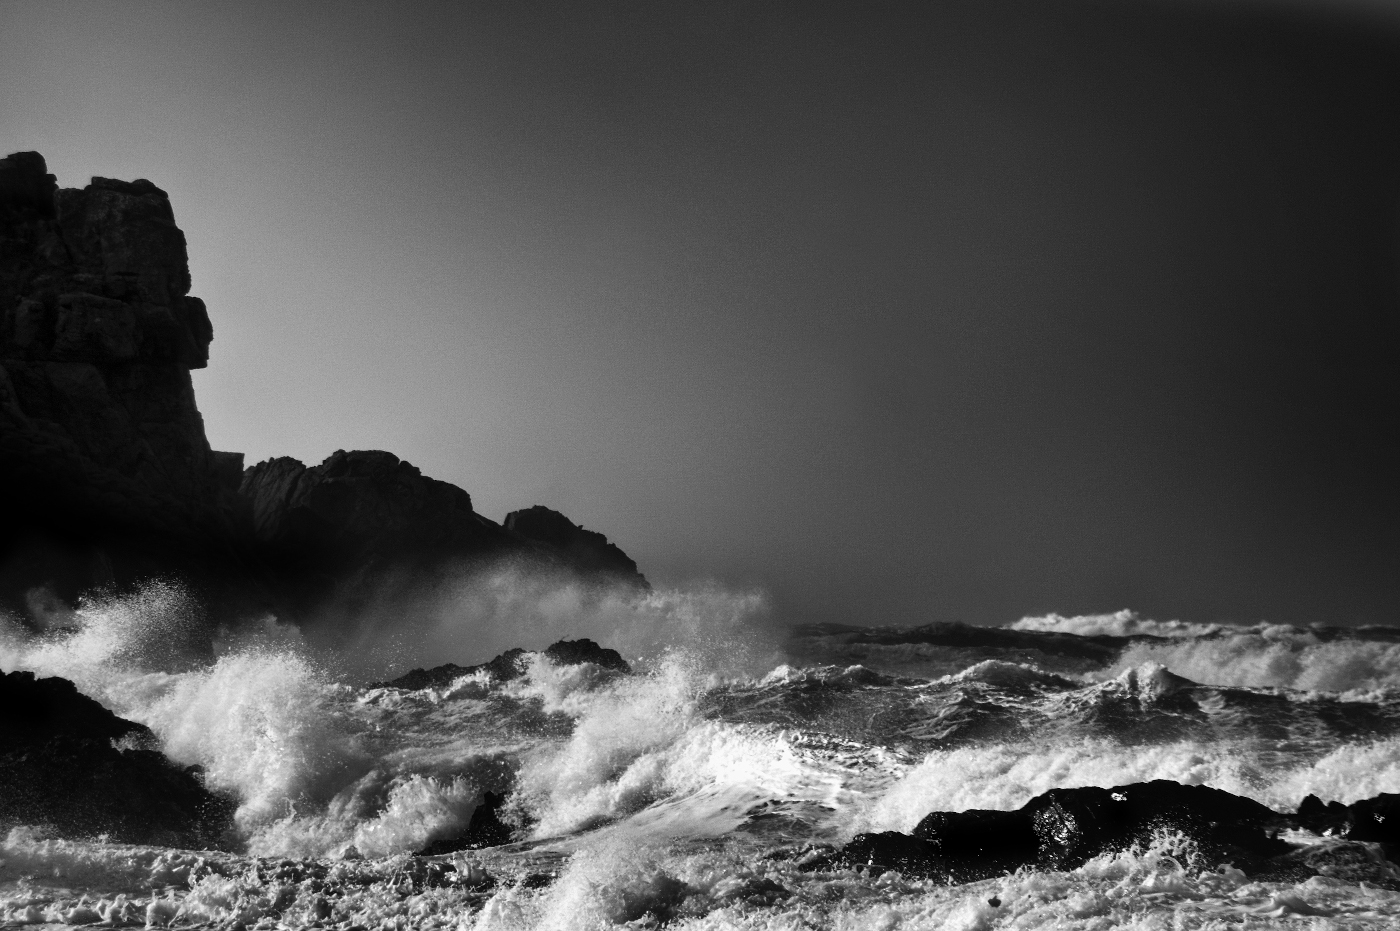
(1064, 828)
(512, 665)
(59, 770)
(108, 477)
(107, 473)
(586, 551)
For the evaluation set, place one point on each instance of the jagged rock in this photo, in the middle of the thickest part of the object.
(60, 770)
(1372, 820)
(1064, 828)
(359, 512)
(108, 478)
(586, 551)
(364, 513)
(511, 665)
(107, 471)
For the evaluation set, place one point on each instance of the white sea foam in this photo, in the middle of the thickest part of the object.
(478, 614)
(1123, 623)
(1004, 777)
(1276, 657)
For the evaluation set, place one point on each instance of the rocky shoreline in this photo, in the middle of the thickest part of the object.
(110, 480)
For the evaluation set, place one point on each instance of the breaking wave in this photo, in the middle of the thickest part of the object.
(685, 792)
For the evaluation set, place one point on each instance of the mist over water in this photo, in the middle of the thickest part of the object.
(671, 792)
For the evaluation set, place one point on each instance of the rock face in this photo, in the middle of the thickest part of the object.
(108, 477)
(365, 513)
(511, 665)
(587, 551)
(103, 455)
(356, 513)
(60, 770)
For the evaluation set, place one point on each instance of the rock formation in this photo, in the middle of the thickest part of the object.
(59, 769)
(1064, 828)
(511, 665)
(109, 478)
(357, 514)
(107, 472)
(586, 551)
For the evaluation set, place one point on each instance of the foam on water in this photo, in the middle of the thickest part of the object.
(1123, 623)
(671, 794)
(1276, 657)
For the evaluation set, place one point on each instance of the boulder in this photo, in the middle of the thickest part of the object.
(511, 665)
(1064, 828)
(71, 766)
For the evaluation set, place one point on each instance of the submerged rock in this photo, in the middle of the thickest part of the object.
(512, 665)
(60, 769)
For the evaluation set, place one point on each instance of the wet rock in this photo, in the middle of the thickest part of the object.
(1376, 820)
(577, 652)
(511, 665)
(1064, 828)
(59, 769)
(1347, 861)
(1333, 818)
(486, 829)
(586, 552)
(1074, 825)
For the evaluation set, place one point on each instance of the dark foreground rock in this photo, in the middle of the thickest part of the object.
(1373, 820)
(1064, 828)
(512, 665)
(59, 770)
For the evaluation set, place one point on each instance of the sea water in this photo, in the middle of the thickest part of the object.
(692, 793)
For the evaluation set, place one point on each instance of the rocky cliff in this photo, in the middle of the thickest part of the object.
(107, 474)
(586, 551)
(103, 457)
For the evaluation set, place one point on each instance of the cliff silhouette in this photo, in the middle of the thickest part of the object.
(108, 477)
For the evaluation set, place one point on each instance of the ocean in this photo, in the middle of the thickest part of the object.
(695, 792)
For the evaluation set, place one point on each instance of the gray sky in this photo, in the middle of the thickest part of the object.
(904, 313)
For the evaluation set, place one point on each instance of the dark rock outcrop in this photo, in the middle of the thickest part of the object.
(59, 769)
(1064, 828)
(359, 513)
(586, 551)
(511, 665)
(107, 471)
(1373, 820)
(108, 476)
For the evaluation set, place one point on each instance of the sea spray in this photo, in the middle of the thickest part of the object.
(694, 790)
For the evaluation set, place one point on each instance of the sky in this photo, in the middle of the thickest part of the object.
(897, 312)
